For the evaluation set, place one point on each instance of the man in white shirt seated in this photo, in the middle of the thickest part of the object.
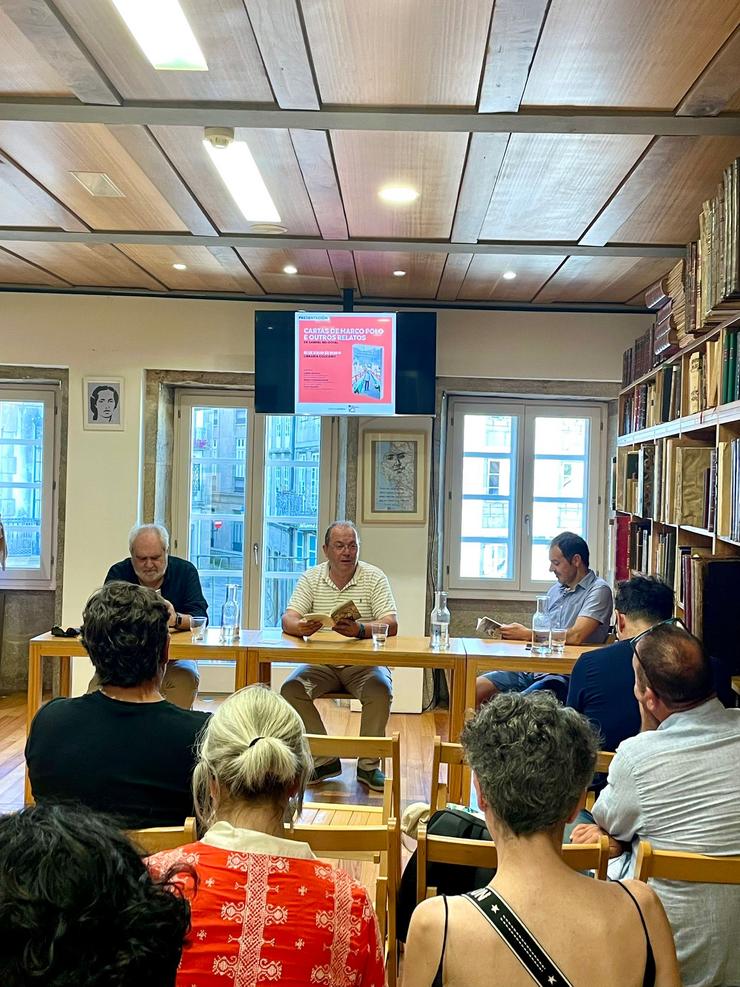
(321, 589)
(677, 784)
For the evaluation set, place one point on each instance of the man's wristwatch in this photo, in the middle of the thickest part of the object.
(178, 621)
(361, 632)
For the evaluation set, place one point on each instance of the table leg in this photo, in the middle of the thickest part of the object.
(35, 695)
(65, 683)
(457, 720)
(241, 674)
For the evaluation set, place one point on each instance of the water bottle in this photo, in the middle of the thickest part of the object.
(541, 628)
(230, 615)
(439, 624)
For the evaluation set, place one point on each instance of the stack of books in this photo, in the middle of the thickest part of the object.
(717, 293)
(667, 298)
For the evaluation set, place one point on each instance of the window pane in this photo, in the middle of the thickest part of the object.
(217, 502)
(555, 477)
(290, 538)
(561, 435)
(479, 560)
(21, 476)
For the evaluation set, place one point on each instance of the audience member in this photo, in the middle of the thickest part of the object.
(532, 760)
(580, 601)
(677, 785)
(178, 583)
(265, 908)
(122, 749)
(77, 906)
(341, 579)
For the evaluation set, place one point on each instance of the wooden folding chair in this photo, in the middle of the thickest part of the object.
(675, 865)
(384, 842)
(603, 760)
(432, 849)
(386, 748)
(449, 754)
(163, 837)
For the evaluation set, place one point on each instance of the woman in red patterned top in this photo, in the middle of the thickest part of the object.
(265, 910)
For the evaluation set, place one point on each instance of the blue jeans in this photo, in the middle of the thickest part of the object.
(529, 682)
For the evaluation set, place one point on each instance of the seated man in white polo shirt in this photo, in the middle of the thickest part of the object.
(321, 590)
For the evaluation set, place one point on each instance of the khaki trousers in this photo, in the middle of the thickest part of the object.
(180, 686)
(372, 685)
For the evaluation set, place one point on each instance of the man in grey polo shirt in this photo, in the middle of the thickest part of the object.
(321, 590)
(580, 600)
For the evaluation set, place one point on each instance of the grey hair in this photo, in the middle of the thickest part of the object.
(144, 529)
(533, 759)
(341, 524)
(253, 749)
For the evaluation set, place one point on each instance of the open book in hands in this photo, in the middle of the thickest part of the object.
(348, 610)
(487, 625)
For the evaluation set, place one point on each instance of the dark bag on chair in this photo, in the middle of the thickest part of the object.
(447, 878)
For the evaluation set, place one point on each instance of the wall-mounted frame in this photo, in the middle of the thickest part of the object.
(394, 477)
(102, 403)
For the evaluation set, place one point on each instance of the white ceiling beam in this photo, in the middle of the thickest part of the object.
(429, 121)
(248, 241)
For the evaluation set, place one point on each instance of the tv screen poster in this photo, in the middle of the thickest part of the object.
(345, 363)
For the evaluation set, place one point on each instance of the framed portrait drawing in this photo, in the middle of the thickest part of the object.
(394, 477)
(102, 403)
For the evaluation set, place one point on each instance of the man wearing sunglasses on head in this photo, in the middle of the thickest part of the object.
(677, 784)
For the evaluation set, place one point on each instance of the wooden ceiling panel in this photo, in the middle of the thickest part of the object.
(604, 279)
(392, 53)
(100, 266)
(552, 185)
(51, 151)
(222, 28)
(430, 163)
(626, 53)
(22, 69)
(375, 273)
(205, 271)
(15, 208)
(669, 213)
(275, 157)
(15, 270)
(485, 278)
(314, 277)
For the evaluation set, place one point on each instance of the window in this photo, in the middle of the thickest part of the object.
(518, 474)
(27, 465)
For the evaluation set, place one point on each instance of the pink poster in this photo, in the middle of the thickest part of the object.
(345, 363)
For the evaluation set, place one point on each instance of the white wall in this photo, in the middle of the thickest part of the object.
(125, 336)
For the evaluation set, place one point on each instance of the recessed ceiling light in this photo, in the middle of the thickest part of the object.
(180, 267)
(97, 183)
(508, 275)
(267, 229)
(161, 30)
(398, 194)
(241, 176)
(290, 269)
(399, 274)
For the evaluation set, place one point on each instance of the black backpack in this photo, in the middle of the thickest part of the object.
(449, 879)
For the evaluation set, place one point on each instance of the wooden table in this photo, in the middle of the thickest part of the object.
(270, 646)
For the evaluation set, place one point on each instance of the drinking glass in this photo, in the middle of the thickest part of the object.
(197, 629)
(380, 633)
(557, 639)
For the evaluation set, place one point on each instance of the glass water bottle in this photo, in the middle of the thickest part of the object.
(541, 628)
(230, 615)
(439, 624)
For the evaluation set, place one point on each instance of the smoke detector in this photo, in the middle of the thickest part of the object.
(219, 137)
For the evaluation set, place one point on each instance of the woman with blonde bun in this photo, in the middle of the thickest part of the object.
(264, 909)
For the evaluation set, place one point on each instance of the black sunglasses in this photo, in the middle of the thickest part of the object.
(661, 623)
(58, 631)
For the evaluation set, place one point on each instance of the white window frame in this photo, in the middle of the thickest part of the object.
(43, 578)
(521, 586)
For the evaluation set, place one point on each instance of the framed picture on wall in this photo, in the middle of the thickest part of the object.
(394, 477)
(102, 403)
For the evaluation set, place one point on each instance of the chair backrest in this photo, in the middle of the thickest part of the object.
(674, 865)
(164, 837)
(603, 760)
(480, 853)
(388, 748)
(444, 753)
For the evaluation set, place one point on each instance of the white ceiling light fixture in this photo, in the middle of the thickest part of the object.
(399, 274)
(398, 195)
(180, 267)
(508, 275)
(290, 269)
(241, 176)
(161, 30)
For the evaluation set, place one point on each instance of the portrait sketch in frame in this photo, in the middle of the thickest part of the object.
(102, 403)
(394, 477)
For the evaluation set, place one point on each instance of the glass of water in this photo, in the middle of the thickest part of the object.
(557, 639)
(380, 633)
(197, 629)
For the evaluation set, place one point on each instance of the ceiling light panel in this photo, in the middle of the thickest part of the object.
(241, 176)
(99, 184)
(161, 30)
(398, 194)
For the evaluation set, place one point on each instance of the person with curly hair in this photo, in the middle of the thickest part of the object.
(537, 920)
(78, 907)
(265, 908)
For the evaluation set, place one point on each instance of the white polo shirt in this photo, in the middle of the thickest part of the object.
(368, 588)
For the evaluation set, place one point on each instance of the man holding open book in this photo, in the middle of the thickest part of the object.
(342, 593)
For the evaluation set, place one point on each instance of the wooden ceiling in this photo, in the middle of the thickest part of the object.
(570, 144)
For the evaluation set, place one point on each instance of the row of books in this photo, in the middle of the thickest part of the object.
(639, 359)
(667, 298)
(704, 367)
(728, 489)
(654, 402)
(730, 368)
(707, 584)
(718, 288)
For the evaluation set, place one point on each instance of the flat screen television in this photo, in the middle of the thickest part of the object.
(345, 363)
